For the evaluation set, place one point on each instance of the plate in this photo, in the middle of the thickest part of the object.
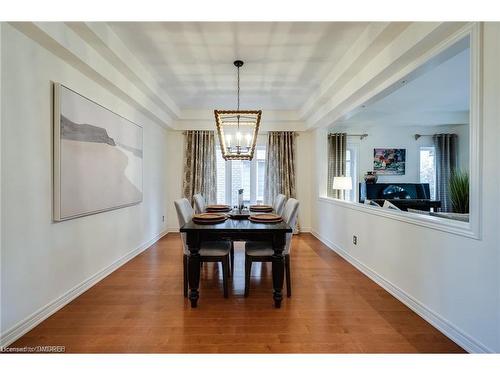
(261, 208)
(265, 221)
(218, 208)
(266, 218)
(209, 218)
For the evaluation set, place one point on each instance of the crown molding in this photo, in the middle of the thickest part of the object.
(85, 51)
(103, 39)
(370, 42)
(383, 51)
(391, 63)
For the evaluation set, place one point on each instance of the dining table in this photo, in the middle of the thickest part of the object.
(236, 230)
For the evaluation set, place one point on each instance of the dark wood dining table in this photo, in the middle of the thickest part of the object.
(236, 230)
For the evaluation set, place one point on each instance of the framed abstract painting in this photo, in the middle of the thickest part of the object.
(97, 157)
(389, 161)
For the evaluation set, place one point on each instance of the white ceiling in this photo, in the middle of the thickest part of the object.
(438, 96)
(285, 62)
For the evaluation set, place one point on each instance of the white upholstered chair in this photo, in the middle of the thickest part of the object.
(279, 204)
(200, 205)
(210, 251)
(263, 251)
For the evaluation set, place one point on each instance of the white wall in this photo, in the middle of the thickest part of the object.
(453, 280)
(304, 176)
(175, 145)
(41, 260)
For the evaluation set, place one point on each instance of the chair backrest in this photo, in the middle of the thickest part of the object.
(199, 203)
(290, 213)
(279, 204)
(184, 214)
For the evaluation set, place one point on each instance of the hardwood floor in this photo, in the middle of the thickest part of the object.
(334, 309)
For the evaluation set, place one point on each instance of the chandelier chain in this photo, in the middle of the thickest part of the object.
(238, 88)
(237, 145)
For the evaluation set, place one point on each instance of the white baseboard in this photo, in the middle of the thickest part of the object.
(173, 230)
(448, 329)
(39, 316)
(305, 229)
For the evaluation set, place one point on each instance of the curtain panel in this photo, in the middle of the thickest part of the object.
(337, 145)
(200, 165)
(280, 165)
(446, 162)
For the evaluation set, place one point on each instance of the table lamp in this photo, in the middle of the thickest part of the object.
(342, 183)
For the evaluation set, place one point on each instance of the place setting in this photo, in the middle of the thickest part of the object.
(209, 218)
(266, 218)
(261, 208)
(218, 208)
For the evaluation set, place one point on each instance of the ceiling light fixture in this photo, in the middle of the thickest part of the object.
(237, 130)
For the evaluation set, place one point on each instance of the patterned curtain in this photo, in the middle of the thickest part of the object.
(200, 165)
(337, 144)
(280, 165)
(446, 162)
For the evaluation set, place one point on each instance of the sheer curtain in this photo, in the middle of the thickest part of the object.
(200, 165)
(337, 145)
(280, 165)
(446, 162)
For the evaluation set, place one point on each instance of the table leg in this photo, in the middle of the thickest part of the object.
(194, 270)
(278, 270)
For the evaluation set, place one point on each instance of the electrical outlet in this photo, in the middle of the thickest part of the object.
(355, 240)
(163, 218)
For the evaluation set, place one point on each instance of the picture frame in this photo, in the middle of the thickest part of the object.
(97, 157)
(389, 161)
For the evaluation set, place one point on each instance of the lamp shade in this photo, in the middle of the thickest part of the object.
(342, 183)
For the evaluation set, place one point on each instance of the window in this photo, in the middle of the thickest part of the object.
(428, 168)
(351, 171)
(221, 177)
(261, 174)
(248, 175)
(240, 179)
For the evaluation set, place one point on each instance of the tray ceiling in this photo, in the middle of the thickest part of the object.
(285, 62)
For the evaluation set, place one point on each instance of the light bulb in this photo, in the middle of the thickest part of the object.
(228, 140)
(248, 137)
(238, 137)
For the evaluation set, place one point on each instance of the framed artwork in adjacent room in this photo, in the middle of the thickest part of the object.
(389, 161)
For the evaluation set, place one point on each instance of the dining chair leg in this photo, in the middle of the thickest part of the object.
(288, 278)
(184, 261)
(225, 271)
(232, 258)
(248, 271)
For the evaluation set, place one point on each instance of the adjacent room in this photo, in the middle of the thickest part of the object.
(250, 187)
